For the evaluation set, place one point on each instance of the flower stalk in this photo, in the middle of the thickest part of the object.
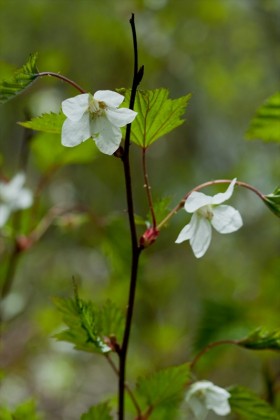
(63, 78)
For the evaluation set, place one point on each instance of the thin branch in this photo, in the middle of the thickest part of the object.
(129, 391)
(148, 188)
(64, 78)
(209, 347)
(136, 250)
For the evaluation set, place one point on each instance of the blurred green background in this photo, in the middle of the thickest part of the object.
(227, 54)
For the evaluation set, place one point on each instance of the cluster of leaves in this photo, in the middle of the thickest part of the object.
(21, 79)
(262, 339)
(90, 327)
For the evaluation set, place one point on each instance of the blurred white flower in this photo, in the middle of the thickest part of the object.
(208, 211)
(203, 396)
(96, 116)
(13, 196)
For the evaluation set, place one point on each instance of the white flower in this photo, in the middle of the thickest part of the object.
(13, 197)
(203, 396)
(207, 211)
(95, 116)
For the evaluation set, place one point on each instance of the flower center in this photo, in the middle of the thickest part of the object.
(206, 212)
(96, 108)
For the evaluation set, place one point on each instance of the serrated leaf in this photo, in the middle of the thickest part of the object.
(89, 326)
(164, 389)
(266, 123)
(21, 79)
(98, 412)
(262, 339)
(49, 152)
(48, 123)
(273, 201)
(157, 114)
(249, 406)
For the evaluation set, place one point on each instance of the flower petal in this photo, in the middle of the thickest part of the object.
(221, 197)
(188, 231)
(106, 136)
(217, 400)
(201, 238)
(198, 407)
(74, 133)
(17, 182)
(120, 117)
(5, 212)
(196, 200)
(226, 219)
(74, 108)
(204, 395)
(199, 232)
(23, 200)
(110, 98)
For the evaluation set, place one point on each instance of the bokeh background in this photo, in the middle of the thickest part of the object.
(224, 52)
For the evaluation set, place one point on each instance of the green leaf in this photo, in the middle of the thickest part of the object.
(48, 123)
(89, 327)
(273, 201)
(157, 114)
(266, 123)
(26, 410)
(21, 79)
(164, 389)
(98, 412)
(249, 406)
(49, 153)
(161, 209)
(262, 339)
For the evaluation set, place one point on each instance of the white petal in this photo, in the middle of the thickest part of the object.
(196, 200)
(226, 219)
(187, 232)
(74, 108)
(109, 97)
(74, 133)
(195, 397)
(198, 407)
(221, 197)
(217, 400)
(120, 117)
(106, 136)
(17, 182)
(199, 386)
(201, 238)
(23, 200)
(223, 409)
(4, 214)
(9, 190)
